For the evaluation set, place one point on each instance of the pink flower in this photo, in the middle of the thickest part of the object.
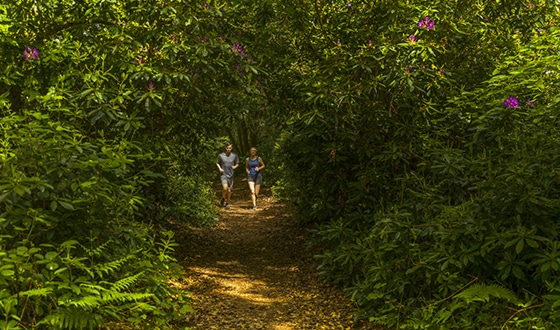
(30, 53)
(427, 23)
(511, 102)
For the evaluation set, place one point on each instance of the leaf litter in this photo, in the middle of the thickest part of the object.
(253, 270)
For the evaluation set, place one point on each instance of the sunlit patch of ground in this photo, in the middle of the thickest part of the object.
(253, 271)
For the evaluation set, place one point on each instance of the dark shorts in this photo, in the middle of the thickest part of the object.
(257, 179)
(227, 181)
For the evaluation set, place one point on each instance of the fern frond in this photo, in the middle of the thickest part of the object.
(111, 266)
(72, 318)
(42, 292)
(483, 292)
(97, 250)
(87, 302)
(126, 282)
(92, 288)
(114, 296)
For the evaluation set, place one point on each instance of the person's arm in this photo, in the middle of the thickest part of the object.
(236, 165)
(247, 165)
(261, 162)
(219, 167)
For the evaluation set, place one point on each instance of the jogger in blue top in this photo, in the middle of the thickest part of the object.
(227, 162)
(253, 166)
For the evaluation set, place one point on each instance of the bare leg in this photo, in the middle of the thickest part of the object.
(228, 196)
(257, 189)
(225, 190)
(253, 196)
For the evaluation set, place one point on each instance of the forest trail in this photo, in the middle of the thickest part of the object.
(253, 270)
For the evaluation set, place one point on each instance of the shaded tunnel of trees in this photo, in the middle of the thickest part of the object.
(419, 139)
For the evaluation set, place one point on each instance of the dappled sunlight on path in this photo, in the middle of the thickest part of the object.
(253, 271)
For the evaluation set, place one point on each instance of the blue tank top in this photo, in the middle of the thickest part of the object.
(252, 165)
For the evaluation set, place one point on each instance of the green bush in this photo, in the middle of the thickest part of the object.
(429, 164)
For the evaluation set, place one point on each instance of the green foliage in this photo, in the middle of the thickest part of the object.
(69, 286)
(109, 111)
(481, 292)
(389, 135)
(417, 176)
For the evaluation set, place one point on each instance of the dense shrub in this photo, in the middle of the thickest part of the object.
(426, 158)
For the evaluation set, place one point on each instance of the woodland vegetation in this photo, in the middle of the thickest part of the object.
(419, 138)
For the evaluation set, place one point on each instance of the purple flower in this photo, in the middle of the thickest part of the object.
(204, 40)
(338, 43)
(427, 23)
(349, 5)
(430, 25)
(442, 72)
(511, 102)
(408, 69)
(548, 72)
(530, 103)
(369, 43)
(173, 37)
(151, 86)
(237, 48)
(206, 6)
(30, 53)
(139, 60)
(412, 39)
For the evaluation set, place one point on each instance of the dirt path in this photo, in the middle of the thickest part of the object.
(253, 271)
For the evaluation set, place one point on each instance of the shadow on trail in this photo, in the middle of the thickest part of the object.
(253, 271)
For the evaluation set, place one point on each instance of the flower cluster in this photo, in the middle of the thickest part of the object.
(412, 39)
(30, 53)
(427, 23)
(511, 102)
(237, 48)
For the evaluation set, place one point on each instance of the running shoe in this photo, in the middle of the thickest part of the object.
(227, 206)
(255, 207)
